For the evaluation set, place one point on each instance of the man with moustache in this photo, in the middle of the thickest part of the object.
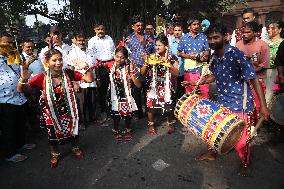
(35, 68)
(232, 70)
(248, 16)
(257, 51)
(86, 93)
(103, 47)
(178, 32)
(139, 45)
(193, 48)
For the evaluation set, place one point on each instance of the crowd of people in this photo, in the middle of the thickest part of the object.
(144, 75)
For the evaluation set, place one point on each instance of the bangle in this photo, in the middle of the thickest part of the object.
(23, 83)
(133, 72)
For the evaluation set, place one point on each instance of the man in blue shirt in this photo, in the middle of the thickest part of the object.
(178, 32)
(193, 48)
(232, 70)
(139, 45)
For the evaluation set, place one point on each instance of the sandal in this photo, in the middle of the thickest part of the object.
(17, 158)
(127, 134)
(54, 159)
(78, 153)
(117, 136)
(151, 128)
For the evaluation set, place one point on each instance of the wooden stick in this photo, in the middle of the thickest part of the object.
(257, 126)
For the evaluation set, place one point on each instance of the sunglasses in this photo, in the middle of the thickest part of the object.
(56, 33)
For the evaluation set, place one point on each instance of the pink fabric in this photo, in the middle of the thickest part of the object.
(242, 148)
(256, 101)
(204, 89)
(276, 86)
(261, 50)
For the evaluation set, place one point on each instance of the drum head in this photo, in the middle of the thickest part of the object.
(232, 136)
(277, 110)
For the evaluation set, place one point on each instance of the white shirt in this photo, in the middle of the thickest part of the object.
(85, 56)
(64, 50)
(102, 47)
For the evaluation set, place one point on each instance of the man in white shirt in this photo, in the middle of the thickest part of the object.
(103, 47)
(36, 66)
(87, 92)
(56, 42)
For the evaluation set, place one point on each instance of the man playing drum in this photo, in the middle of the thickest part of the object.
(231, 70)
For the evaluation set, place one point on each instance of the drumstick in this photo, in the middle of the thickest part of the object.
(257, 126)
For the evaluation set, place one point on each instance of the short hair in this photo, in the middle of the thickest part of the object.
(79, 34)
(135, 19)
(217, 28)
(54, 28)
(149, 23)
(27, 40)
(50, 53)
(123, 50)
(163, 39)
(253, 25)
(248, 10)
(99, 23)
(191, 20)
(177, 24)
(5, 34)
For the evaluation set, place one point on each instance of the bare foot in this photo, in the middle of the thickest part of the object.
(210, 155)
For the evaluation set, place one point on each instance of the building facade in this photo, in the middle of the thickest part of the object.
(265, 10)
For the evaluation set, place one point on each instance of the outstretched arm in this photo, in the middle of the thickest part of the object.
(23, 85)
(263, 107)
(134, 75)
(205, 80)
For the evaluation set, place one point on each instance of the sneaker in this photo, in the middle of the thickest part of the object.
(17, 158)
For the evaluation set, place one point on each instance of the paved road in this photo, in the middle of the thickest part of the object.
(108, 164)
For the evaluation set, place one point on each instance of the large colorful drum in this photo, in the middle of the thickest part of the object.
(214, 124)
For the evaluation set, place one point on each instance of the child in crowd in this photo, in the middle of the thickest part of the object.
(161, 70)
(123, 76)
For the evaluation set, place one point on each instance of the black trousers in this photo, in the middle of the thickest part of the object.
(180, 89)
(13, 127)
(103, 89)
(33, 110)
(139, 95)
(86, 101)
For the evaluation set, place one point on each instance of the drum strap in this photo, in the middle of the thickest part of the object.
(245, 97)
